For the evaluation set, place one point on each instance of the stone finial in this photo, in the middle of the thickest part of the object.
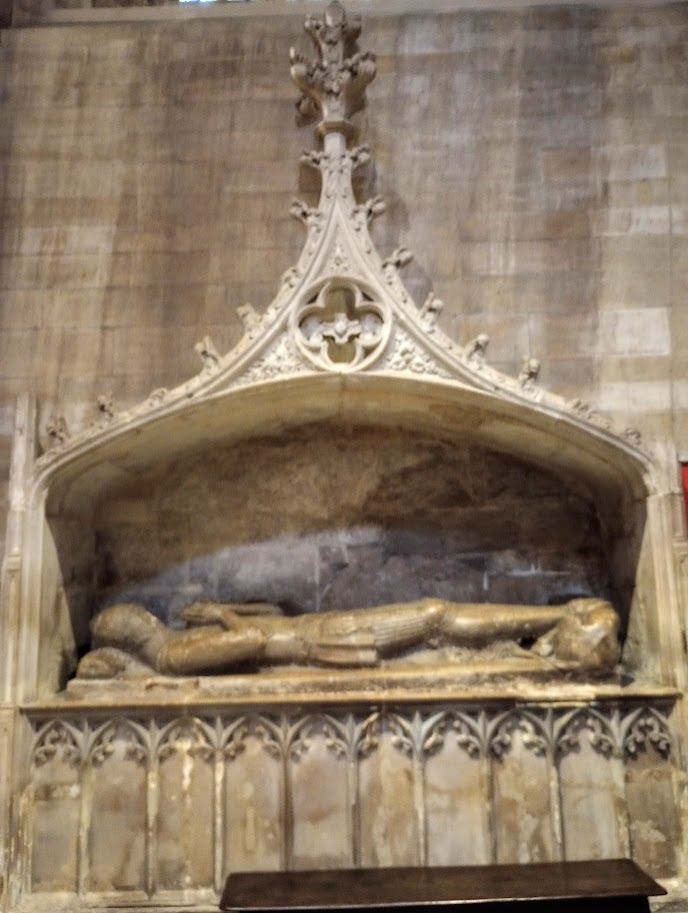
(333, 84)
(208, 354)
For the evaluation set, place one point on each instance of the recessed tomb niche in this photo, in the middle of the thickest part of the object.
(327, 517)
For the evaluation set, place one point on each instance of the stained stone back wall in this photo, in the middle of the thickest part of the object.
(536, 161)
(327, 517)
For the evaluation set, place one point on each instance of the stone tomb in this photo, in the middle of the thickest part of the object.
(345, 454)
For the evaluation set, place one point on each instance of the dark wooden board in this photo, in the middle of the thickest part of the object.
(564, 886)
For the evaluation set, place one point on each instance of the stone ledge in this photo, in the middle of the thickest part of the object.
(325, 688)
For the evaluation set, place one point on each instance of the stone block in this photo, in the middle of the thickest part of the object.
(632, 162)
(628, 284)
(321, 803)
(556, 336)
(132, 308)
(387, 808)
(17, 348)
(637, 331)
(508, 334)
(642, 397)
(572, 378)
(73, 308)
(624, 194)
(677, 158)
(521, 808)
(637, 220)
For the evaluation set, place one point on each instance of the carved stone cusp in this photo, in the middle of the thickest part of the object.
(430, 311)
(313, 157)
(249, 317)
(476, 350)
(309, 215)
(359, 156)
(207, 353)
(399, 258)
(158, 396)
(105, 405)
(333, 84)
(633, 436)
(373, 208)
(57, 430)
(530, 371)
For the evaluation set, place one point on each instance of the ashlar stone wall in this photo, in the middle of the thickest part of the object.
(536, 161)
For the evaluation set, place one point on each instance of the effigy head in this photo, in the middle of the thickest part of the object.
(586, 638)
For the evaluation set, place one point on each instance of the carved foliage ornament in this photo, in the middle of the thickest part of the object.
(417, 732)
(334, 82)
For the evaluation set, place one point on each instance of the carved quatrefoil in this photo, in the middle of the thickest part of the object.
(340, 327)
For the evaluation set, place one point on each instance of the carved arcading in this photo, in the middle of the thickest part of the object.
(530, 728)
(129, 736)
(634, 729)
(462, 727)
(58, 740)
(643, 730)
(333, 732)
(487, 737)
(193, 737)
(592, 724)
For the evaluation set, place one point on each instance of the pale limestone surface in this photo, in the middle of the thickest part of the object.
(121, 769)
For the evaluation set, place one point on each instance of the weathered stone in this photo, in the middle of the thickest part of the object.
(418, 517)
(544, 160)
